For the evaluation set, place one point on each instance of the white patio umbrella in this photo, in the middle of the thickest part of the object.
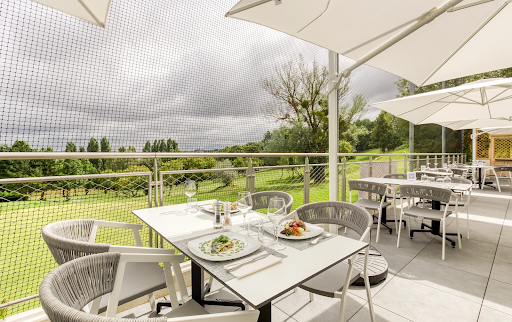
(478, 124)
(475, 102)
(424, 41)
(93, 11)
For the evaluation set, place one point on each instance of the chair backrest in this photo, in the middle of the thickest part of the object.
(459, 172)
(367, 186)
(426, 192)
(260, 199)
(395, 176)
(69, 287)
(461, 180)
(69, 239)
(336, 212)
(502, 168)
(444, 170)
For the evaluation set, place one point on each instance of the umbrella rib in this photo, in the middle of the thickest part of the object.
(495, 13)
(93, 15)
(423, 105)
(321, 14)
(492, 99)
(467, 99)
(502, 99)
(435, 112)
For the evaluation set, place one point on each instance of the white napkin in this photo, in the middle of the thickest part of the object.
(256, 266)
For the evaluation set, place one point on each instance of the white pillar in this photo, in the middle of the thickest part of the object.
(473, 149)
(411, 131)
(443, 135)
(333, 130)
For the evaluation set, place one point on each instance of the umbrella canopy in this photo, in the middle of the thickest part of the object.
(480, 100)
(423, 41)
(93, 11)
(478, 124)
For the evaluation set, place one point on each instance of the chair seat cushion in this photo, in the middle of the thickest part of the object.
(371, 204)
(331, 281)
(190, 308)
(425, 213)
(392, 196)
(139, 279)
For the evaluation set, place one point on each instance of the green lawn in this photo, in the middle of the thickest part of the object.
(25, 259)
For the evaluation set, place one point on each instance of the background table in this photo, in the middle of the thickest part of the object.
(259, 289)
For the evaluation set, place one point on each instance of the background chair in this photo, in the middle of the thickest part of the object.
(260, 199)
(334, 282)
(392, 193)
(430, 193)
(68, 288)
(458, 172)
(464, 198)
(72, 239)
(497, 175)
(371, 187)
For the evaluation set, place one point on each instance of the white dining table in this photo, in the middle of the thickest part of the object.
(258, 289)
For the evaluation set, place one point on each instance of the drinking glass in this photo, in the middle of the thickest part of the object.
(431, 179)
(192, 205)
(255, 227)
(244, 205)
(276, 212)
(447, 180)
(190, 188)
(424, 178)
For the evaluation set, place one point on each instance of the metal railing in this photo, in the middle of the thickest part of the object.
(112, 196)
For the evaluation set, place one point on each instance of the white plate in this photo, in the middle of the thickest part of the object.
(209, 208)
(243, 246)
(314, 230)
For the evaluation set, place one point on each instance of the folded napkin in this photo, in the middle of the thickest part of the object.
(256, 266)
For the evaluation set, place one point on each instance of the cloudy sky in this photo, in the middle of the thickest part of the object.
(160, 69)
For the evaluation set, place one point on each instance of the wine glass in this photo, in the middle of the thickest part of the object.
(190, 190)
(244, 205)
(276, 212)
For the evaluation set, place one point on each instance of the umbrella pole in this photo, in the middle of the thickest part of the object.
(411, 133)
(333, 130)
(473, 148)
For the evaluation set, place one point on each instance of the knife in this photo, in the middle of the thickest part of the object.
(233, 267)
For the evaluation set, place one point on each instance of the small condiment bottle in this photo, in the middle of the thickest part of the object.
(217, 208)
(227, 215)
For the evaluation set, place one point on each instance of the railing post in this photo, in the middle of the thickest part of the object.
(344, 180)
(150, 202)
(435, 160)
(428, 161)
(370, 163)
(390, 164)
(156, 183)
(405, 163)
(250, 177)
(417, 163)
(307, 181)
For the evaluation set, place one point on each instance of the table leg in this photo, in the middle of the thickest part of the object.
(435, 228)
(197, 283)
(265, 313)
(480, 178)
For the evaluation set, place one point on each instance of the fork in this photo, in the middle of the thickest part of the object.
(316, 240)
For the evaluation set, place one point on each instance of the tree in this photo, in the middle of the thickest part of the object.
(82, 149)
(132, 185)
(21, 169)
(105, 147)
(70, 167)
(147, 147)
(384, 134)
(363, 139)
(94, 146)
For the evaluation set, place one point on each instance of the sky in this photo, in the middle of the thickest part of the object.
(159, 70)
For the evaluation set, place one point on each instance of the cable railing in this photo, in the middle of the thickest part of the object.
(29, 203)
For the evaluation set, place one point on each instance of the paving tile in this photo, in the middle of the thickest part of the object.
(498, 296)
(381, 315)
(466, 285)
(491, 315)
(298, 306)
(505, 241)
(501, 271)
(418, 302)
(280, 316)
(456, 258)
(504, 254)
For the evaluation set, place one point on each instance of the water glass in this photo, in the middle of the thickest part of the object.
(424, 178)
(447, 180)
(255, 227)
(192, 205)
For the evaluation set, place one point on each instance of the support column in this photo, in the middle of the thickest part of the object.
(333, 130)
(443, 134)
(473, 149)
(411, 131)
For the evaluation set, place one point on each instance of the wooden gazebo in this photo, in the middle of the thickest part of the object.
(494, 149)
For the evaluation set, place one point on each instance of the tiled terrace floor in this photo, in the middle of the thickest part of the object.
(472, 284)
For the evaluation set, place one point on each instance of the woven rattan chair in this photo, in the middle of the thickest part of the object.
(334, 282)
(68, 288)
(260, 199)
(72, 239)
(441, 195)
(497, 175)
(458, 172)
(371, 187)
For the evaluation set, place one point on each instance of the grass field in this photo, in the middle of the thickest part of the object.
(25, 259)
